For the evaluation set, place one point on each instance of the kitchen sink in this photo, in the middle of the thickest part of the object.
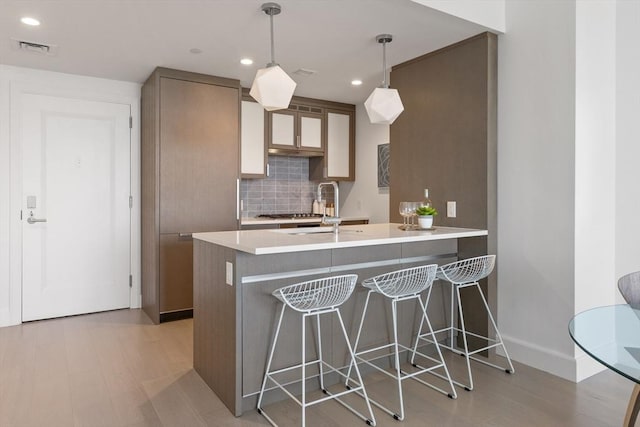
(303, 231)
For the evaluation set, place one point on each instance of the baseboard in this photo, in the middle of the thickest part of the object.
(574, 369)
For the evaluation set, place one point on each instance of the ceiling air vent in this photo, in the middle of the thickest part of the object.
(34, 47)
(304, 72)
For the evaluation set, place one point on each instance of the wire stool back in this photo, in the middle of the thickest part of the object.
(467, 270)
(317, 294)
(314, 298)
(405, 282)
(462, 275)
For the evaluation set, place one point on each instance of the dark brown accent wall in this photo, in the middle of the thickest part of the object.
(445, 140)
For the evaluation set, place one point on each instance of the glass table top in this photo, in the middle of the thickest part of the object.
(611, 335)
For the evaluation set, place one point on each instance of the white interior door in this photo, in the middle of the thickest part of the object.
(76, 176)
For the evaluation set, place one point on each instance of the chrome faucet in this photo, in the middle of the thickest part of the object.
(335, 220)
(336, 195)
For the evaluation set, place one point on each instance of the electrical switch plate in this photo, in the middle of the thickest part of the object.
(229, 279)
(451, 209)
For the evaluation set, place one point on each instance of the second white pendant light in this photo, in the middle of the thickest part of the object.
(384, 104)
(272, 87)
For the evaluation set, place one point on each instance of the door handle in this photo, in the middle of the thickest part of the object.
(32, 220)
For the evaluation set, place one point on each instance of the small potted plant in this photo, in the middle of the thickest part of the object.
(425, 216)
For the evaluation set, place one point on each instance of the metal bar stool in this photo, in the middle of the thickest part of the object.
(399, 286)
(312, 299)
(463, 274)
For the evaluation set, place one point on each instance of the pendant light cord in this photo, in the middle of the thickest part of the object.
(273, 61)
(384, 66)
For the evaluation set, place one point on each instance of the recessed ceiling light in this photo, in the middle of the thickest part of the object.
(356, 82)
(195, 50)
(246, 61)
(30, 21)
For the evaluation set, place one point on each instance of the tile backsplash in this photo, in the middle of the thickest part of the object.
(286, 190)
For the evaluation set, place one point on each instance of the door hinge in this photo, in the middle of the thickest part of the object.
(130, 281)
(20, 214)
(130, 202)
(130, 122)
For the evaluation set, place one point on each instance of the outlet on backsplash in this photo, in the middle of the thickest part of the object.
(286, 190)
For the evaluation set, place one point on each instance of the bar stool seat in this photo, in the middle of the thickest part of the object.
(312, 299)
(463, 274)
(398, 286)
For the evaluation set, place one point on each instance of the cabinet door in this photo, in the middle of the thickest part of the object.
(283, 132)
(199, 156)
(176, 272)
(253, 153)
(340, 152)
(310, 131)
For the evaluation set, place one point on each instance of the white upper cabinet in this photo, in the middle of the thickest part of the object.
(253, 153)
(298, 130)
(310, 134)
(283, 130)
(338, 162)
(339, 150)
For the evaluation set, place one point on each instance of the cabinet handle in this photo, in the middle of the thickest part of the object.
(185, 236)
(237, 199)
(298, 141)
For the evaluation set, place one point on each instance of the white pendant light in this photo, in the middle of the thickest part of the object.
(272, 87)
(384, 105)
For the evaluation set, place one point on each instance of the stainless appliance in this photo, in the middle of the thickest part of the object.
(296, 215)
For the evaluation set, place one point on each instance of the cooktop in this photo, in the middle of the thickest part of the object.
(297, 215)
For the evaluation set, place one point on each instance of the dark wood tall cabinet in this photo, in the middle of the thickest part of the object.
(190, 178)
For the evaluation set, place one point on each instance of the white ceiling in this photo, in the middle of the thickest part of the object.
(127, 39)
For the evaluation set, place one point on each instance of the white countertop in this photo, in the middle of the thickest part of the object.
(315, 220)
(260, 242)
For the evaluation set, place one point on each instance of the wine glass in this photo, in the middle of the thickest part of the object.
(406, 211)
(414, 215)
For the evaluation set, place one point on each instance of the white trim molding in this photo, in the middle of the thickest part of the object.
(574, 369)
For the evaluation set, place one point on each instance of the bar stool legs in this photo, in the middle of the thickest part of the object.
(309, 299)
(463, 274)
(398, 287)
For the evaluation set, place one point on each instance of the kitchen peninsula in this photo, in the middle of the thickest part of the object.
(235, 273)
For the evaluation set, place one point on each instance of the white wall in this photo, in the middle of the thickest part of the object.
(15, 81)
(488, 13)
(587, 181)
(536, 169)
(363, 197)
(595, 158)
(595, 153)
(627, 139)
(5, 210)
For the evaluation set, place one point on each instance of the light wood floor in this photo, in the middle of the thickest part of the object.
(118, 369)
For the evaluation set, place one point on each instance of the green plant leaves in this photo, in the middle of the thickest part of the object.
(426, 211)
